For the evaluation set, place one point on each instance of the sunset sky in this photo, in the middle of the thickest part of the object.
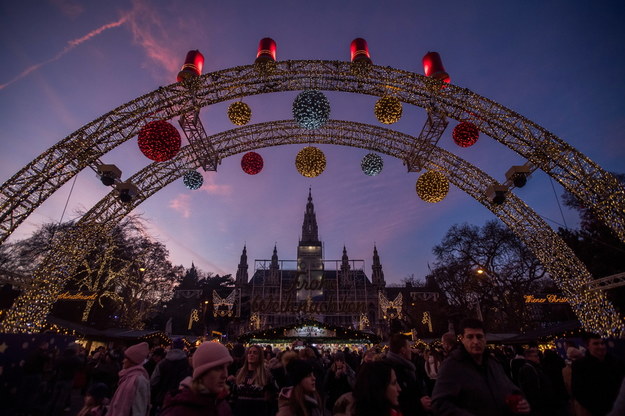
(65, 63)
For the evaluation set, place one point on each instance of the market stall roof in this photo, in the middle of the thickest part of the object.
(120, 334)
(312, 331)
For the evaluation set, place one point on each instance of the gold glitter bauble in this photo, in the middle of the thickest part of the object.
(239, 113)
(432, 186)
(388, 110)
(310, 162)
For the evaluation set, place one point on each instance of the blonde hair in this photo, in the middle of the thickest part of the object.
(260, 378)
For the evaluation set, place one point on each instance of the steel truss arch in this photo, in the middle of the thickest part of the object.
(593, 309)
(594, 187)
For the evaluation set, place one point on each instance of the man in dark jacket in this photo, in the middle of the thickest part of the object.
(412, 399)
(472, 382)
(596, 378)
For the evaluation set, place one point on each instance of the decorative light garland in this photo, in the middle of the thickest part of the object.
(310, 162)
(193, 180)
(388, 110)
(465, 134)
(432, 186)
(159, 141)
(311, 109)
(371, 164)
(252, 163)
(239, 113)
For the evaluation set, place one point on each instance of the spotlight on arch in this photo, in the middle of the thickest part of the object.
(496, 194)
(518, 175)
(109, 174)
(127, 191)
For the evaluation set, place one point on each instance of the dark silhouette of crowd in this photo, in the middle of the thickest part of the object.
(458, 375)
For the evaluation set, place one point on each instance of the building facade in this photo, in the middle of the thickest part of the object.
(333, 292)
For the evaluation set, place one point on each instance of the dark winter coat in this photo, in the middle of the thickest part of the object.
(168, 374)
(188, 403)
(334, 386)
(538, 389)
(464, 388)
(595, 384)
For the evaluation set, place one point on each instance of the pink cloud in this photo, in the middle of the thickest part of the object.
(211, 188)
(150, 33)
(182, 205)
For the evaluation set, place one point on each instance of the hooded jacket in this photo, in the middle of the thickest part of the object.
(168, 373)
(132, 397)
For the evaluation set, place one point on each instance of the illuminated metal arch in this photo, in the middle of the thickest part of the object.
(594, 187)
(592, 308)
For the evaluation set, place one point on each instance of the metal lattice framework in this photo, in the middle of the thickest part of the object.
(596, 188)
(594, 311)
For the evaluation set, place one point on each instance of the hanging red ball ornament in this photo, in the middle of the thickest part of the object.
(465, 134)
(252, 163)
(159, 141)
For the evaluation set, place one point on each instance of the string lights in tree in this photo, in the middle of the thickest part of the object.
(388, 110)
(159, 141)
(311, 109)
(239, 113)
(252, 163)
(310, 162)
(193, 180)
(371, 164)
(432, 186)
(465, 134)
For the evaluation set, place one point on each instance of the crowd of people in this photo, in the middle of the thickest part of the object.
(458, 376)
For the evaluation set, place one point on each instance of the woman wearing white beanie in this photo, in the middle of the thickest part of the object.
(132, 397)
(204, 393)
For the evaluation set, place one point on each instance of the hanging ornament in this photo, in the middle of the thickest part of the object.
(159, 141)
(311, 109)
(432, 186)
(371, 164)
(193, 180)
(310, 162)
(239, 113)
(465, 134)
(388, 110)
(252, 163)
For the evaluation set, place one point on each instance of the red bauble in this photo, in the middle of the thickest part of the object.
(252, 163)
(159, 141)
(465, 134)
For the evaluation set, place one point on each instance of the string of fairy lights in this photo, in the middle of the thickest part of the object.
(311, 110)
(26, 190)
(595, 312)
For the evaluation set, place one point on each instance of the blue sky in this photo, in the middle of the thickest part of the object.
(65, 63)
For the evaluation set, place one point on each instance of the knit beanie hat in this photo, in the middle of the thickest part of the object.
(138, 352)
(298, 370)
(209, 355)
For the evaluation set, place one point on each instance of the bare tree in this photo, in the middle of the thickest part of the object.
(487, 270)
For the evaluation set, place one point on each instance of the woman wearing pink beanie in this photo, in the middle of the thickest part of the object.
(132, 397)
(204, 393)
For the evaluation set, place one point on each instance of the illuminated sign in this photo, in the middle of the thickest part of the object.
(545, 299)
(309, 331)
(76, 296)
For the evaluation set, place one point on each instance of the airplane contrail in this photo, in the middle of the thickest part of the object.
(70, 45)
